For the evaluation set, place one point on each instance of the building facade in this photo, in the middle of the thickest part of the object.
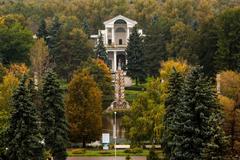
(115, 38)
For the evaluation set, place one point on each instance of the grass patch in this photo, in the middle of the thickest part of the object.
(77, 152)
(131, 95)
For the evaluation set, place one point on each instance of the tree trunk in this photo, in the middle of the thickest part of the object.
(84, 143)
(136, 81)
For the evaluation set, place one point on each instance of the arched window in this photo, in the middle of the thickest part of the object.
(120, 21)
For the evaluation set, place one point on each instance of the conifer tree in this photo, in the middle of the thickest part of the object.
(171, 104)
(42, 30)
(228, 52)
(154, 45)
(195, 129)
(52, 38)
(54, 122)
(101, 50)
(102, 75)
(85, 27)
(135, 65)
(218, 145)
(72, 49)
(24, 138)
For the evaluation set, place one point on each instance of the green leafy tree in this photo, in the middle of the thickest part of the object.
(24, 138)
(228, 52)
(101, 50)
(55, 128)
(156, 38)
(196, 127)
(144, 122)
(42, 30)
(135, 57)
(172, 102)
(83, 104)
(16, 42)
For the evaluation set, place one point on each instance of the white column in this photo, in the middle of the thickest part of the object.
(115, 61)
(113, 35)
(106, 36)
(128, 33)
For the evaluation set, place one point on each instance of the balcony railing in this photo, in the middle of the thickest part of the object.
(116, 45)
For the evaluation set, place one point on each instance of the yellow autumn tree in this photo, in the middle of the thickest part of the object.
(229, 84)
(18, 70)
(229, 98)
(83, 108)
(10, 83)
(166, 70)
(2, 72)
(39, 57)
(228, 112)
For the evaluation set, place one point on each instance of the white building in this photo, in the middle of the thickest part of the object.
(115, 38)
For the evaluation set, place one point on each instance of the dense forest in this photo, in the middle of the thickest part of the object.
(51, 73)
(188, 29)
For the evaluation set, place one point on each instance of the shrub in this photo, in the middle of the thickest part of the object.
(78, 151)
(134, 150)
(135, 88)
(152, 155)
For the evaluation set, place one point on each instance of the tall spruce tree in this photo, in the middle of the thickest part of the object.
(171, 104)
(135, 57)
(157, 35)
(195, 129)
(24, 138)
(101, 50)
(85, 27)
(52, 38)
(42, 30)
(218, 145)
(54, 122)
(228, 52)
(73, 48)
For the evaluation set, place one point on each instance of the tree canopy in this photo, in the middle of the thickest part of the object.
(16, 42)
(83, 104)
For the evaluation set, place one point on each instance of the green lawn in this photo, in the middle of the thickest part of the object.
(97, 153)
(82, 152)
(131, 95)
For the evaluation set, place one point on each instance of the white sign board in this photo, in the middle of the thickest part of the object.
(105, 138)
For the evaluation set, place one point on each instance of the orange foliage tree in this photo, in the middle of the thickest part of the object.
(229, 84)
(83, 108)
(230, 100)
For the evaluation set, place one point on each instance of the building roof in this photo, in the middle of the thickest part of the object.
(120, 17)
